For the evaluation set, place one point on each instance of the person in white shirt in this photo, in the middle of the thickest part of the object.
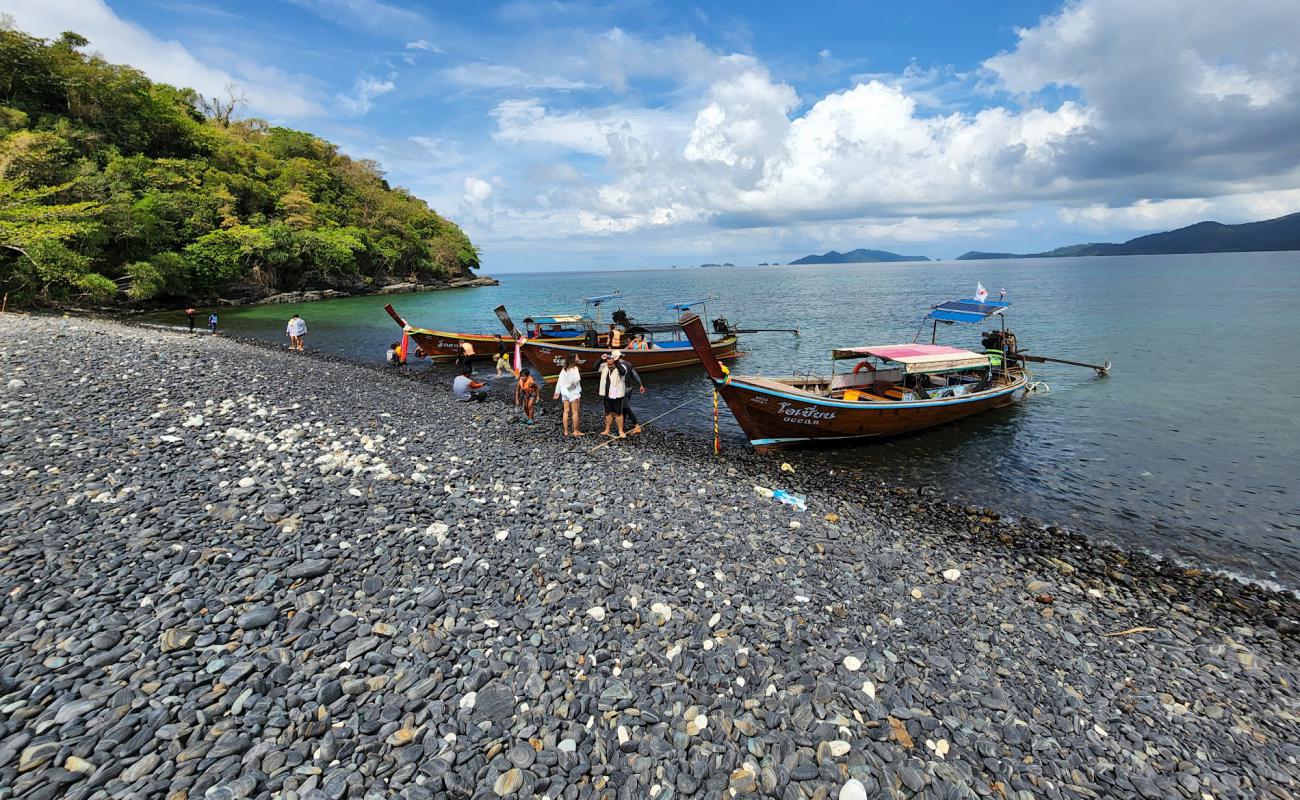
(569, 389)
(614, 374)
(295, 330)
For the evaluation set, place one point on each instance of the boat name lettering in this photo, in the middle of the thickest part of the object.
(801, 413)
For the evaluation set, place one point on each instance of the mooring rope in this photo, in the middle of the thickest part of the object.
(613, 439)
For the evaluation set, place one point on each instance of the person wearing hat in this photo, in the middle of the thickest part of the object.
(614, 377)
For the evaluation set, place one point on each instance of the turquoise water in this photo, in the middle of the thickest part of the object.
(1190, 449)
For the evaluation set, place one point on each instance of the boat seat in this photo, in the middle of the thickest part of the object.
(858, 395)
(895, 393)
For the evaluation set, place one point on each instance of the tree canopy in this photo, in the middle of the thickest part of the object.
(114, 186)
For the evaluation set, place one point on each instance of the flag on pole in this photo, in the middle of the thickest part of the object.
(519, 355)
(981, 294)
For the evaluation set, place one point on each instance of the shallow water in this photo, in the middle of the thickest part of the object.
(1190, 449)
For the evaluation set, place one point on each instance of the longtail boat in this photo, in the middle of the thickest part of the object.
(444, 346)
(666, 347)
(893, 389)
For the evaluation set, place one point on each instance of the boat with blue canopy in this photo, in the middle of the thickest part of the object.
(892, 389)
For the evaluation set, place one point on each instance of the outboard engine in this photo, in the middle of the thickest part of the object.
(1000, 340)
(720, 325)
(620, 318)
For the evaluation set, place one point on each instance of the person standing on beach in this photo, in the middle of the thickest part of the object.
(569, 390)
(212, 322)
(630, 375)
(189, 315)
(295, 330)
(613, 390)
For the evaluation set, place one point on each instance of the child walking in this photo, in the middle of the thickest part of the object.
(526, 394)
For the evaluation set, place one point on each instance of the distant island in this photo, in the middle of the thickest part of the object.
(1282, 233)
(859, 256)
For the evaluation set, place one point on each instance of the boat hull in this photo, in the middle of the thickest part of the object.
(773, 419)
(445, 346)
(546, 358)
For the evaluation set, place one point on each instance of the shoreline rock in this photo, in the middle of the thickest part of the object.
(245, 572)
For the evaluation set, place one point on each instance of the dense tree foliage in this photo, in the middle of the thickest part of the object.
(112, 185)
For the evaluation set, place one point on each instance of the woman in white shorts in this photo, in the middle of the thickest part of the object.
(569, 389)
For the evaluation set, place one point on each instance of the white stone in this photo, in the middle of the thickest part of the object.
(469, 699)
(169, 439)
(701, 721)
(437, 529)
(195, 421)
(951, 574)
(941, 748)
(16, 383)
(870, 689)
(853, 790)
(662, 609)
(794, 523)
(839, 747)
(597, 613)
(852, 663)
(244, 483)
(713, 620)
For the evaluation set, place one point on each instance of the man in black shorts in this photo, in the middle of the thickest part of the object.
(615, 376)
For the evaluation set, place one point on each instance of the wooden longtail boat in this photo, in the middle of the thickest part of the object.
(667, 349)
(894, 389)
(444, 346)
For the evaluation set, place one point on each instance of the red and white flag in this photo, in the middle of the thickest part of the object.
(981, 294)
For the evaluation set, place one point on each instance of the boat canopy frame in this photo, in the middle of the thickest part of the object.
(967, 311)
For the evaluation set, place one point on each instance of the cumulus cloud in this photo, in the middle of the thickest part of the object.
(1085, 113)
(1186, 99)
(423, 44)
(268, 90)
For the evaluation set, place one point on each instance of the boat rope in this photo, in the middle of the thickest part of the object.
(1038, 386)
(613, 439)
(717, 441)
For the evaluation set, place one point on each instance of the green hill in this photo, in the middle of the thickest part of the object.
(116, 188)
(859, 256)
(1282, 233)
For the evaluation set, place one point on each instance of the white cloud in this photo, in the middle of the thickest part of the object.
(613, 131)
(121, 41)
(423, 44)
(476, 205)
(500, 76)
(374, 16)
(1157, 215)
(1087, 115)
(364, 91)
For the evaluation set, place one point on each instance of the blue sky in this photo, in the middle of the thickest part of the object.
(570, 135)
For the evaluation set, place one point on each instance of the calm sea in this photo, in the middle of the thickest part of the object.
(1189, 449)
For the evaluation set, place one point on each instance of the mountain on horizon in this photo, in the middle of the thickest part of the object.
(1282, 233)
(859, 256)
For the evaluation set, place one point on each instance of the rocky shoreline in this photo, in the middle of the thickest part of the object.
(313, 295)
(230, 571)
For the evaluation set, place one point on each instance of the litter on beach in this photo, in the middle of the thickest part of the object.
(797, 501)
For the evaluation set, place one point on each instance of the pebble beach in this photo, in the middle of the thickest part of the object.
(231, 571)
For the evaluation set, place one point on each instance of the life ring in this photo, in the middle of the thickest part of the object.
(861, 364)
